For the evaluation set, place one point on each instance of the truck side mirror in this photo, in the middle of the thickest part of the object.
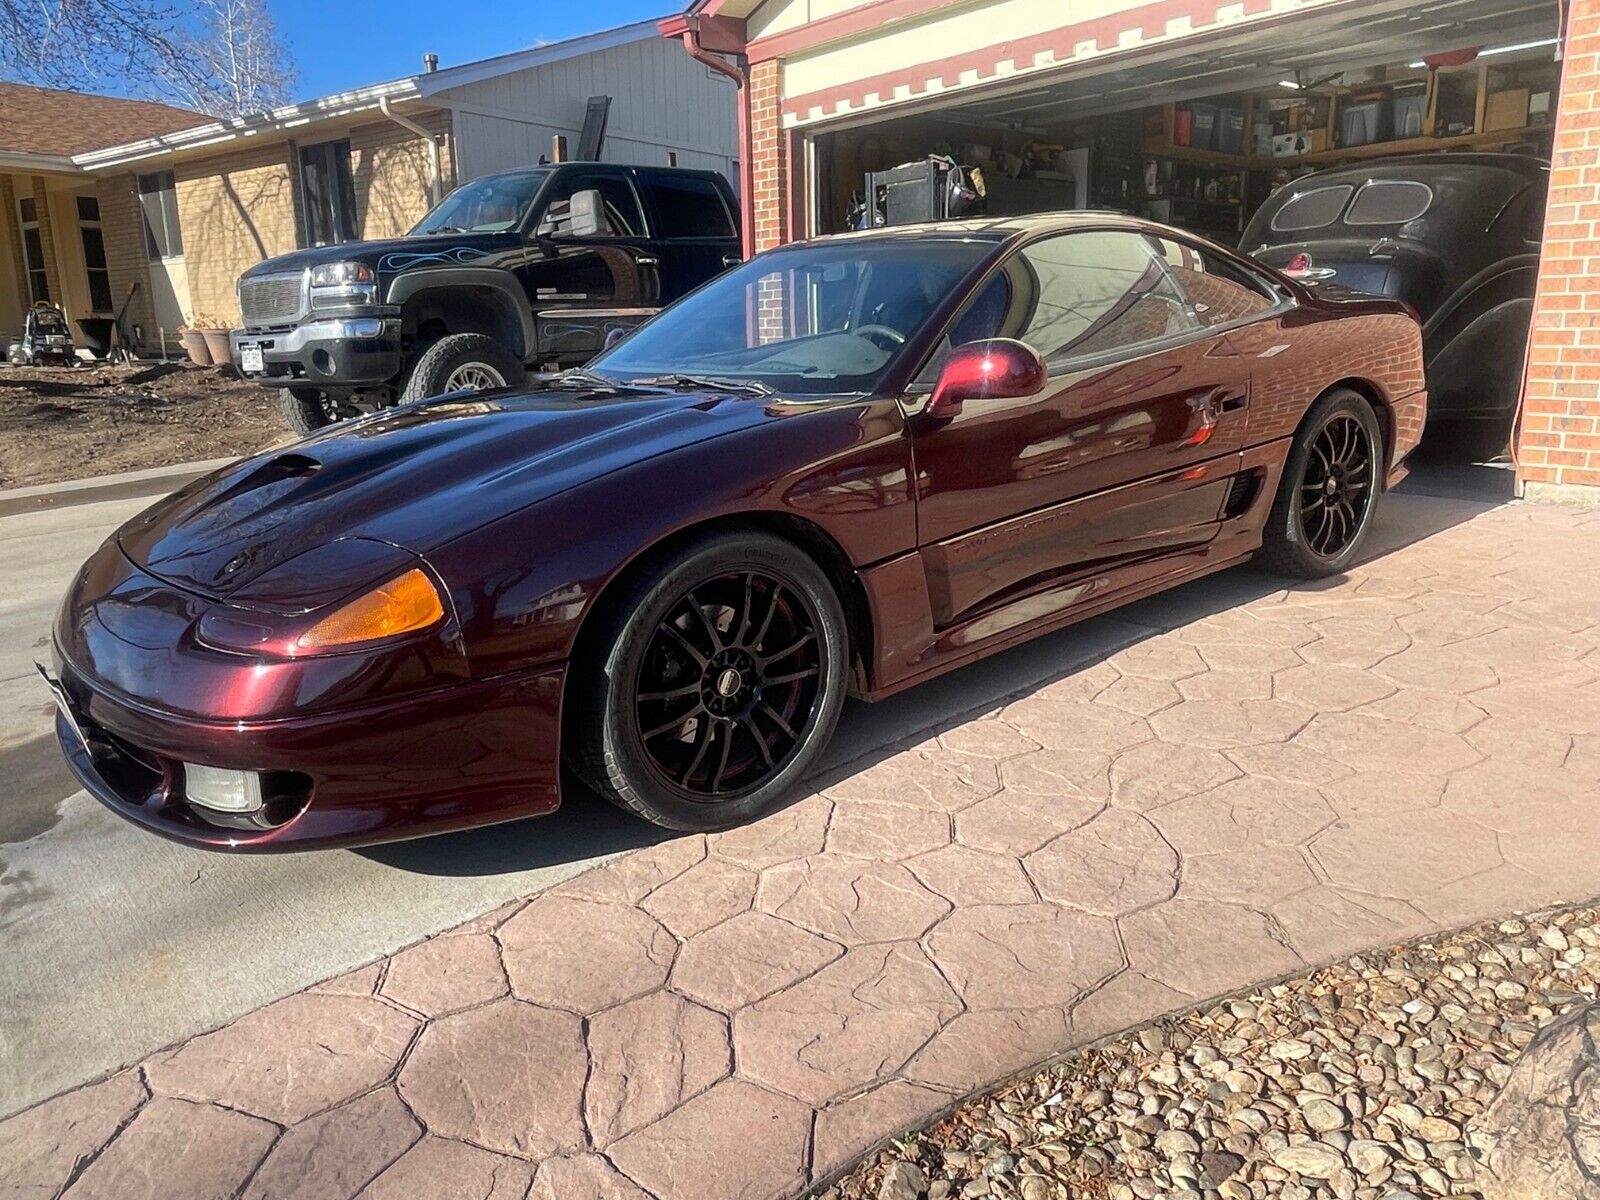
(585, 215)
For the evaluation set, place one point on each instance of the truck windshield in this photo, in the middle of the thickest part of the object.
(484, 205)
(814, 319)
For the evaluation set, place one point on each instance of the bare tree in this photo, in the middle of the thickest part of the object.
(235, 62)
(221, 57)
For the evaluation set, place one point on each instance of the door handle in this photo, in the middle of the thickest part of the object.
(731, 260)
(1383, 248)
(648, 260)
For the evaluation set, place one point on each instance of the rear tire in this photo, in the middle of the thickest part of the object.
(307, 411)
(711, 683)
(1329, 489)
(462, 361)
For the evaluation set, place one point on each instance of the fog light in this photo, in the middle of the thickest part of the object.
(225, 791)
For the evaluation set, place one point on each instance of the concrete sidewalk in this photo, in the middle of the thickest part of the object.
(1259, 779)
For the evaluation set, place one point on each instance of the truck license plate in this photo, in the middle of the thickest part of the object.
(250, 359)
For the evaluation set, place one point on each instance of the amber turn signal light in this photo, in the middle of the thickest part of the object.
(406, 604)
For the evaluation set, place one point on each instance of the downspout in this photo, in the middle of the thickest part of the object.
(434, 183)
(741, 79)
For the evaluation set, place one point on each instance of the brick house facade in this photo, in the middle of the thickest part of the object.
(230, 193)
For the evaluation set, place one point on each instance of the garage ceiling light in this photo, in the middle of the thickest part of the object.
(1499, 50)
(1290, 84)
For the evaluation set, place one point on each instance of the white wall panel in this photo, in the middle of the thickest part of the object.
(661, 101)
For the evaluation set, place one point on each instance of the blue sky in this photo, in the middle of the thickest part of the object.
(339, 46)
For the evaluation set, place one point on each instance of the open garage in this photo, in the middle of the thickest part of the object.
(1188, 112)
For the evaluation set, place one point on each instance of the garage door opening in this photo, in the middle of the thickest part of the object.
(1355, 153)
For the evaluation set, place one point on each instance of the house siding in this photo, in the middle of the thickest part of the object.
(662, 102)
(235, 210)
(393, 175)
(122, 222)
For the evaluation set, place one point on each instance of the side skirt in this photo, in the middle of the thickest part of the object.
(909, 650)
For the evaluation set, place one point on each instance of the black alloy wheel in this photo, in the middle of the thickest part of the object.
(711, 682)
(728, 684)
(1329, 491)
(1336, 489)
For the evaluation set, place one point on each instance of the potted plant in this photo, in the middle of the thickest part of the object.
(194, 345)
(215, 335)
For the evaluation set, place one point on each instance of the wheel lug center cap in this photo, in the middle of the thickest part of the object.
(1331, 487)
(728, 682)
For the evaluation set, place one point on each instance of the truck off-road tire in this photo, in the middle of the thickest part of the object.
(1329, 490)
(711, 682)
(463, 362)
(307, 410)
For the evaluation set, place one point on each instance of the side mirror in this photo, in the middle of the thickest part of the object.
(998, 369)
(585, 215)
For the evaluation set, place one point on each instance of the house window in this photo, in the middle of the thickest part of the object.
(94, 253)
(328, 192)
(158, 197)
(33, 248)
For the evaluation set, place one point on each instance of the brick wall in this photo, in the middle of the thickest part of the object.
(122, 225)
(13, 238)
(235, 210)
(769, 170)
(47, 235)
(1558, 449)
(391, 171)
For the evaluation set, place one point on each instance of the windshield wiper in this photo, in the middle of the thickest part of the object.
(708, 382)
(581, 377)
(444, 229)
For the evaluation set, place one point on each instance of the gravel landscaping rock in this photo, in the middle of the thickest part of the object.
(1460, 1065)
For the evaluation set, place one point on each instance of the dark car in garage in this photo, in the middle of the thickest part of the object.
(1456, 236)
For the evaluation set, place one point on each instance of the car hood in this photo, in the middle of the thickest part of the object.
(416, 477)
(391, 255)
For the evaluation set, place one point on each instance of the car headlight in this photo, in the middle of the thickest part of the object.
(343, 284)
(408, 603)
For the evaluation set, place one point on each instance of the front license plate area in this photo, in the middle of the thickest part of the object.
(250, 359)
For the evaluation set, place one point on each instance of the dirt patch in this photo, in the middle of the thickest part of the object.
(71, 423)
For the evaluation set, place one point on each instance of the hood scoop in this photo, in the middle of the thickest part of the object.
(274, 470)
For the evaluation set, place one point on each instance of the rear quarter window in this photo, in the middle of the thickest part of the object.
(689, 206)
(1389, 202)
(1313, 209)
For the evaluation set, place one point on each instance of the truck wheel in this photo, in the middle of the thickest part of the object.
(462, 362)
(307, 410)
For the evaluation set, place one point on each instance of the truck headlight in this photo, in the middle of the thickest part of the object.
(342, 285)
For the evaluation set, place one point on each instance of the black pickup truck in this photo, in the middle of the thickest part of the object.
(528, 269)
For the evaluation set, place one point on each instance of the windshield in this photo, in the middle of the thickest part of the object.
(813, 319)
(484, 205)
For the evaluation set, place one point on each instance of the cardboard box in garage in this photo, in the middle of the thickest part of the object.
(1506, 110)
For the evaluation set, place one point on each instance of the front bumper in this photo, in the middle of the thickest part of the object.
(450, 758)
(334, 352)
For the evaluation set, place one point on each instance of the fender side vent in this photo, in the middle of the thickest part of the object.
(1242, 493)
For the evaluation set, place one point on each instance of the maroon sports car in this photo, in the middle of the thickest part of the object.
(846, 466)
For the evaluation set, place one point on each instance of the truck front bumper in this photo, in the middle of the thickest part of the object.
(334, 353)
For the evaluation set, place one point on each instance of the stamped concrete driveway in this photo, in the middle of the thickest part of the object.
(1259, 779)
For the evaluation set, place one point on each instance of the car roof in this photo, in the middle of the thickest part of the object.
(1420, 166)
(995, 229)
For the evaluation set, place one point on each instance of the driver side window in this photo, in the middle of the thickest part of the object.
(620, 215)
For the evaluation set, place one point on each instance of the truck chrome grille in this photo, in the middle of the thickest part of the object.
(270, 300)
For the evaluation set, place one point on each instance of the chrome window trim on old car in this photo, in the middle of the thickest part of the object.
(1372, 185)
(1278, 225)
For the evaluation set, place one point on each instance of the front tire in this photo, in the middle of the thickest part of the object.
(307, 411)
(463, 362)
(1329, 489)
(712, 684)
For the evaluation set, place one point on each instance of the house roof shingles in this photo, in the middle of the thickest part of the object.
(35, 120)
